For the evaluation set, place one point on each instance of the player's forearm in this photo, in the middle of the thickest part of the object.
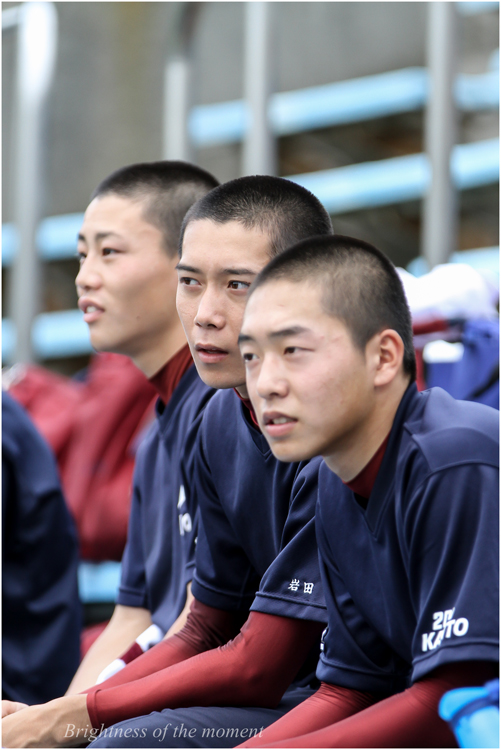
(63, 722)
(124, 627)
(327, 706)
(205, 628)
(180, 622)
(409, 719)
(254, 669)
(395, 722)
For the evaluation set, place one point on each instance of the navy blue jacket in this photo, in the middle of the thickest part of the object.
(159, 556)
(412, 582)
(41, 609)
(256, 543)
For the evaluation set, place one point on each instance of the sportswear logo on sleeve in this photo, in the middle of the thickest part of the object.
(182, 496)
(295, 584)
(185, 524)
(444, 626)
(323, 639)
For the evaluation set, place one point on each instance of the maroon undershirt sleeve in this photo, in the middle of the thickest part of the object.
(328, 705)
(254, 669)
(409, 719)
(205, 628)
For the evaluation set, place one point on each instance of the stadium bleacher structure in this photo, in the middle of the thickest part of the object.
(354, 187)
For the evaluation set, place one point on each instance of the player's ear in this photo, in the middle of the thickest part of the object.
(388, 351)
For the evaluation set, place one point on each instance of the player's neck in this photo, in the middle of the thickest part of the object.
(352, 454)
(151, 359)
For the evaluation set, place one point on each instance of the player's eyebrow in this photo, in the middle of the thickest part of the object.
(99, 236)
(188, 269)
(282, 333)
(244, 337)
(239, 272)
(292, 331)
(223, 272)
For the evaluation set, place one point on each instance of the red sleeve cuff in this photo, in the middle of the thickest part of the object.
(92, 709)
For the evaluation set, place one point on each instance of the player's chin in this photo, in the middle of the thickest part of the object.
(101, 343)
(216, 377)
(114, 342)
(290, 451)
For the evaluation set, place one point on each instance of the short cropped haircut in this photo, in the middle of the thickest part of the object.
(283, 210)
(358, 284)
(167, 189)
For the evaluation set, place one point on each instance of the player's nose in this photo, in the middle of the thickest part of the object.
(88, 276)
(271, 380)
(210, 312)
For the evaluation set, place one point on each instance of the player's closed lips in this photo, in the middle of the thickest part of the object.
(210, 354)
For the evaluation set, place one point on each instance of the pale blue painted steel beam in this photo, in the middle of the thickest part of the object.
(57, 235)
(476, 7)
(8, 339)
(60, 334)
(349, 101)
(370, 184)
(56, 238)
(54, 335)
(339, 103)
(293, 111)
(72, 330)
(341, 189)
(475, 164)
(477, 92)
(98, 582)
(9, 243)
(399, 179)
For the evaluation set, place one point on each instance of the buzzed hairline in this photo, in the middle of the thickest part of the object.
(140, 201)
(165, 190)
(218, 222)
(144, 198)
(282, 210)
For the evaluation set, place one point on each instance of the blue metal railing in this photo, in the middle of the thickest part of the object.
(56, 238)
(400, 179)
(343, 189)
(340, 103)
(351, 188)
(98, 582)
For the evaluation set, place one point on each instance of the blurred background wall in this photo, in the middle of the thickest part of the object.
(105, 108)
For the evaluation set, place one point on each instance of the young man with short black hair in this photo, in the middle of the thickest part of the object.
(127, 286)
(256, 545)
(257, 514)
(407, 516)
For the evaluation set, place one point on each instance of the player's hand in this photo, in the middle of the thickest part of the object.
(10, 707)
(63, 722)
